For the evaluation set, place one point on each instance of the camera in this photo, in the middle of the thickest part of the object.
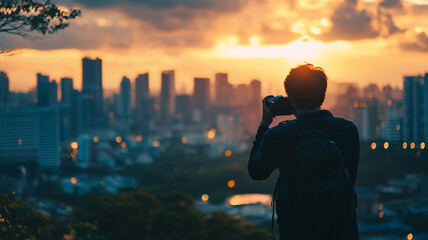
(280, 106)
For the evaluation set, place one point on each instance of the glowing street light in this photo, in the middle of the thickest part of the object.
(386, 145)
(205, 197)
(373, 145)
(74, 145)
(211, 133)
(95, 139)
(231, 183)
(184, 140)
(227, 153)
(73, 180)
(404, 145)
(118, 139)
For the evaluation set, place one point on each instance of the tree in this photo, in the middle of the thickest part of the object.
(20, 17)
(19, 221)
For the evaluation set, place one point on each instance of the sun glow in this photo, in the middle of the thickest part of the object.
(305, 49)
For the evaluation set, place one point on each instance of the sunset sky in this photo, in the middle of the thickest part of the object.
(360, 41)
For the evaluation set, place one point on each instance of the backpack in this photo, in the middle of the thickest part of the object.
(324, 198)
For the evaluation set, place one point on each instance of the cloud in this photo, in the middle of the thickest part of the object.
(391, 4)
(419, 44)
(420, 9)
(349, 22)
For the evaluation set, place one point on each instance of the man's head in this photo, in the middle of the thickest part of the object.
(306, 85)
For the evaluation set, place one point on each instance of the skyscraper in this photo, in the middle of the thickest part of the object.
(92, 86)
(48, 148)
(167, 97)
(4, 90)
(223, 89)
(414, 121)
(43, 90)
(53, 93)
(125, 108)
(66, 90)
(256, 91)
(141, 92)
(201, 94)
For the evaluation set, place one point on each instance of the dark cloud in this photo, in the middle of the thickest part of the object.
(87, 36)
(391, 4)
(218, 5)
(420, 9)
(166, 15)
(350, 23)
(420, 44)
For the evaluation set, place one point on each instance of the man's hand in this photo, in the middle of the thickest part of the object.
(267, 117)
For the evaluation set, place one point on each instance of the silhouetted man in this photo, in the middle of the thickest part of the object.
(317, 157)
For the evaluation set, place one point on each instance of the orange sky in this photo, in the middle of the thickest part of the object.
(359, 41)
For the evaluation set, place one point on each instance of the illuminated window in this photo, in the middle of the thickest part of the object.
(398, 127)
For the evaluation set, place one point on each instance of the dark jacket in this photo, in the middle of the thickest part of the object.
(275, 147)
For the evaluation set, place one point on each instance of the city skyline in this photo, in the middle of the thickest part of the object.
(390, 35)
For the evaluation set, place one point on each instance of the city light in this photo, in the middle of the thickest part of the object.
(227, 153)
(156, 143)
(156, 107)
(139, 138)
(74, 145)
(381, 214)
(95, 139)
(20, 142)
(422, 145)
(404, 145)
(398, 127)
(386, 145)
(184, 140)
(118, 139)
(412, 145)
(409, 236)
(373, 146)
(205, 197)
(231, 183)
(380, 206)
(123, 145)
(73, 180)
(211, 133)
(111, 115)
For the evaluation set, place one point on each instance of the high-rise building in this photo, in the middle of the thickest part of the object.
(66, 90)
(30, 134)
(124, 107)
(4, 90)
(365, 115)
(141, 92)
(392, 130)
(53, 93)
(167, 97)
(414, 121)
(43, 90)
(183, 108)
(48, 149)
(201, 94)
(223, 89)
(92, 87)
(19, 135)
(256, 91)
